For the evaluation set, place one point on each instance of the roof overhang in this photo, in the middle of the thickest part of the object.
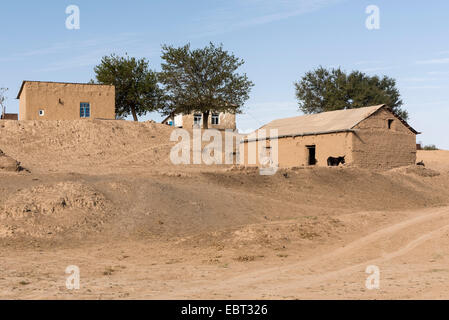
(21, 89)
(298, 135)
(351, 128)
(55, 82)
(405, 123)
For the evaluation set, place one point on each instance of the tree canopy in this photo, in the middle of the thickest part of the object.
(202, 80)
(136, 85)
(324, 90)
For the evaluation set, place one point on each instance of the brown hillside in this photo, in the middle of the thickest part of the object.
(63, 146)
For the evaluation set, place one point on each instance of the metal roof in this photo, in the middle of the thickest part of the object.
(323, 123)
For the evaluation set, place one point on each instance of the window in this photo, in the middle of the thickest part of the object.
(390, 123)
(215, 118)
(41, 113)
(84, 110)
(197, 119)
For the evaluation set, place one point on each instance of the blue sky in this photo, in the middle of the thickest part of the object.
(280, 40)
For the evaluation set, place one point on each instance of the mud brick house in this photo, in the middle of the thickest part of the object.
(220, 121)
(371, 137)
(65, 101)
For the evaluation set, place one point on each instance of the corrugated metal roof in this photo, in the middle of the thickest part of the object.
(321, 123)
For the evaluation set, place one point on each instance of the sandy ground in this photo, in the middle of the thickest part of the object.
(103, 195)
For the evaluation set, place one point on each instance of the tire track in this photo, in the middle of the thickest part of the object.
(284, 280)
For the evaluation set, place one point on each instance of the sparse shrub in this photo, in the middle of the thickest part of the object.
(430, 147)
(246, 258)
(108, 271)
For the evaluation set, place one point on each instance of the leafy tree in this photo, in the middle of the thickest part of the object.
(136, 85)
(202, 80)
(324, 90)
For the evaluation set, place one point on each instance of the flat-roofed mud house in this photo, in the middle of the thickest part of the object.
(65, 101)
(372, 137)
(220, 121)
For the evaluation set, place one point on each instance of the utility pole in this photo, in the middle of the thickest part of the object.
(2, 101)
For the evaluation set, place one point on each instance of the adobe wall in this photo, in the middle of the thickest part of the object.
(377, 146)
(293, 152)
(22, 105)
(46, 96)
(227, 121)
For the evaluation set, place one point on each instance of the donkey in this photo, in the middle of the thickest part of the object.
(335, 162)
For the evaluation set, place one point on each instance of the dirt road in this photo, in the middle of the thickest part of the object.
(412, 256)
(341, 272)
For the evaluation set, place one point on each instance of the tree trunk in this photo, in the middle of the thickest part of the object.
(133, 111)
(206, 120)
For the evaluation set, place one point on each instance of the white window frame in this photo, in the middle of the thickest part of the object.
(215, 116)
(197, 119)
(41, 112)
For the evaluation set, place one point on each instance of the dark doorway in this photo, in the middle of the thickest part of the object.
(312, 155)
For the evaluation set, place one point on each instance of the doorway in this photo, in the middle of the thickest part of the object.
(312, 155)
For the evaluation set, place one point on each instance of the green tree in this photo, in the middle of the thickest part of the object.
(137, 91)
(324, 90)
(202, 80)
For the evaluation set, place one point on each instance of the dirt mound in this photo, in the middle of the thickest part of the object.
(8, 164)
(79, 146)
(48, 210)
(416, 170)
(339, 188)
(423, 172)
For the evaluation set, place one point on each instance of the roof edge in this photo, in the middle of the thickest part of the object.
(56, 82)
(404, 122)
(394, 113)
(298, 135)
(370, 114)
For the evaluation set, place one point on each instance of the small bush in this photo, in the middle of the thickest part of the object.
(430, 147)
